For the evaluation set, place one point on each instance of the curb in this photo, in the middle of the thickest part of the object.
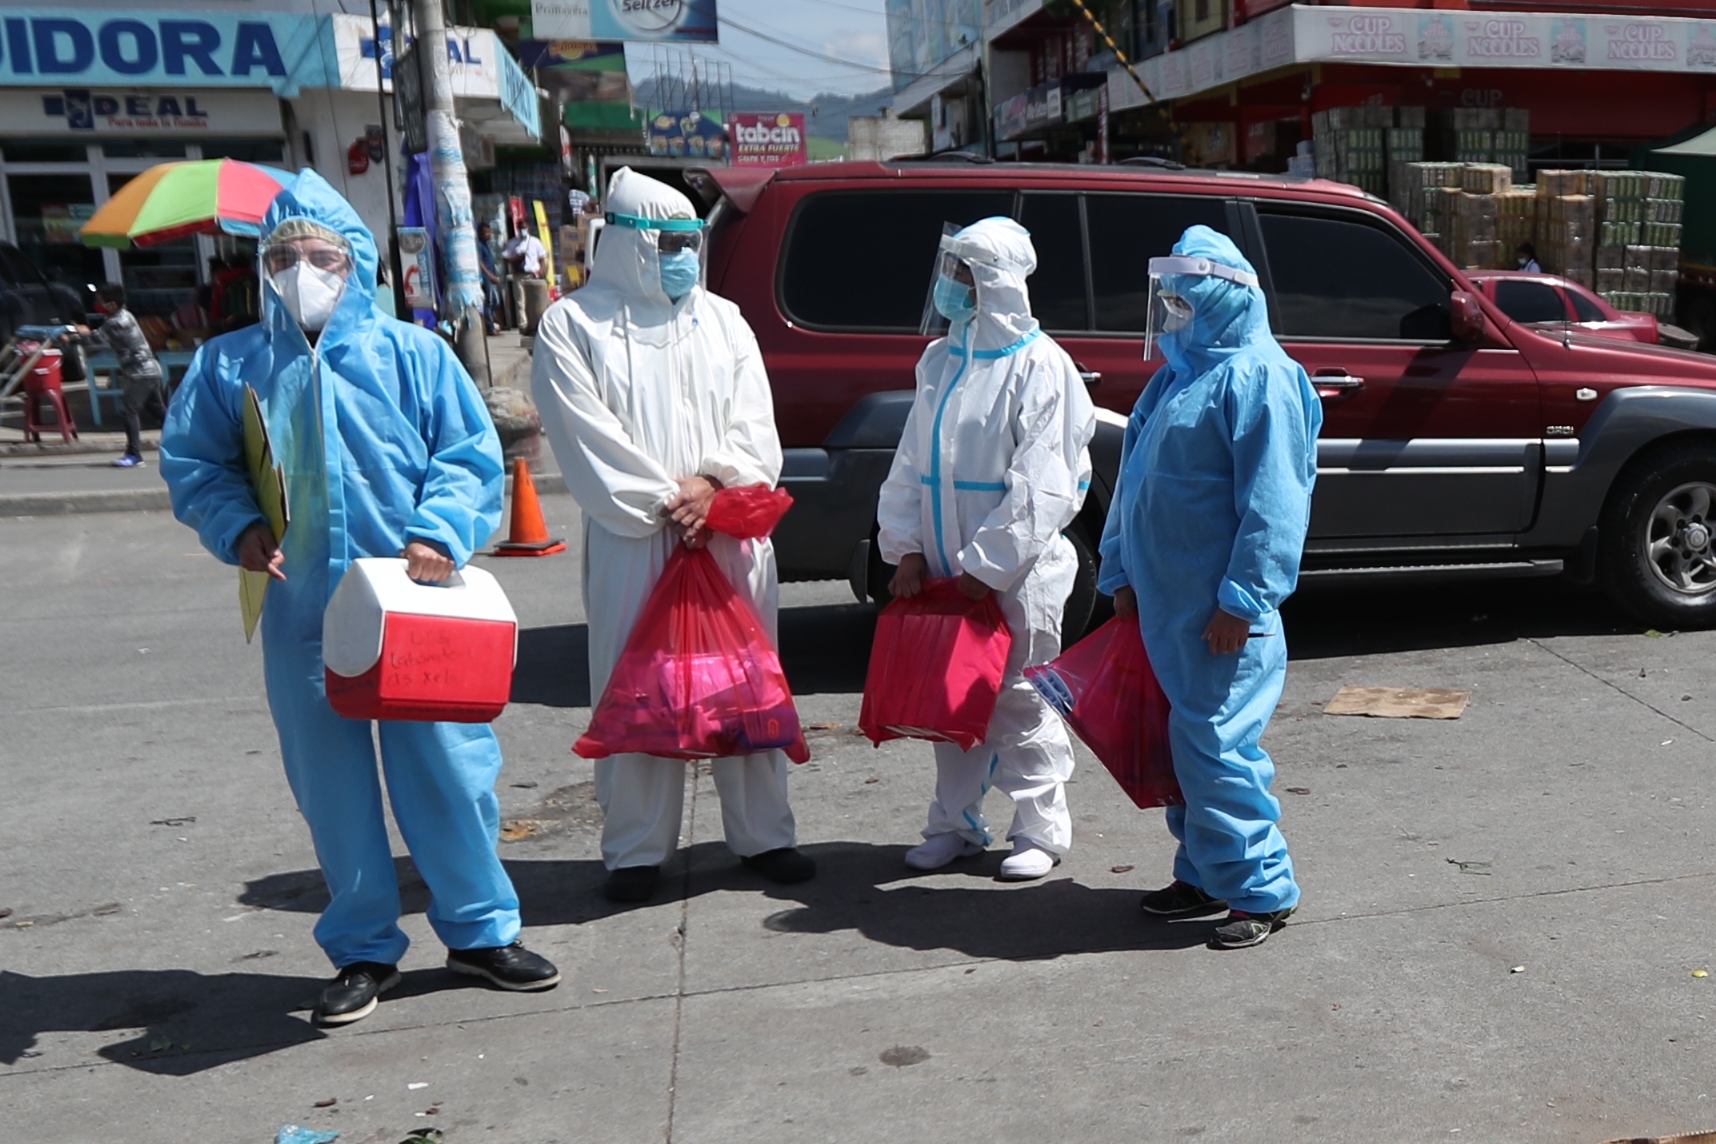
(68, 504)
(157, 500)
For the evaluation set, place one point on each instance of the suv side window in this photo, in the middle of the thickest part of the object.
(1341, 279)
(1530, 301)
(1057, 288)
(1585, 308)
(862, 260)
(1126, 232)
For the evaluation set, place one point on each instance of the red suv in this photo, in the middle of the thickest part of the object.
(1456, 441)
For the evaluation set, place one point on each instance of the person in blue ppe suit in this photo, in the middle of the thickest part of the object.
(1202, 544)
(993, 464)
(387, 451)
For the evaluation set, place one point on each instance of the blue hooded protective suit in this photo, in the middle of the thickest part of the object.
(1212, 506)
(384, 440)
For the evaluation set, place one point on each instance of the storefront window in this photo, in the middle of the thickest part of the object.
(157, 279)
(42, 151)
(46, 213)
(143, 149)
(250, 150)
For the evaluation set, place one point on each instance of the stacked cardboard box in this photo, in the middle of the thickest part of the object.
(1487, 135)
(1518, 217)
(1637, 255)
(1476, 243)
(1420, 191)
(1566, 236)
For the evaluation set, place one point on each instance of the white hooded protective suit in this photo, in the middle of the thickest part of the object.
(993, 464)
(638, 392)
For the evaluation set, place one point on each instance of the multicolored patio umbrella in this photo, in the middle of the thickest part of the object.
(173, 200)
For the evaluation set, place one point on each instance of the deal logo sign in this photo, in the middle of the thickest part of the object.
(767, 140)
(84, 110)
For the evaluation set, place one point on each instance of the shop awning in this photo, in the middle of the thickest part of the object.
(1423, 38)
(1704, 144)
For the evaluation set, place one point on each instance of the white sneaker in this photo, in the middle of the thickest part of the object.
(1027, 861)
(940, 849)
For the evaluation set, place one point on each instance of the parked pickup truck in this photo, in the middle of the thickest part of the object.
(1456, 442)
(1549, 300)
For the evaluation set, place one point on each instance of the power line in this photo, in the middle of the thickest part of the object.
(814, 54)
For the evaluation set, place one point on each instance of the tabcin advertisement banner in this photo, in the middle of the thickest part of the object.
(681, 21)
(767, 139)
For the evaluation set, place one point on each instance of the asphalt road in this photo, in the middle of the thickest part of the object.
(1502, 922)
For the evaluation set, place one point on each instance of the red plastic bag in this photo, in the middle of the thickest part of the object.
(936, 667)
(698, 679)
(749, 513)
(1104, 688)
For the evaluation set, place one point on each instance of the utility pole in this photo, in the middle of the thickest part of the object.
(458, 235)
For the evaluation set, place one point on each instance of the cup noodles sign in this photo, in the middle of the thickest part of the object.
(767, 140)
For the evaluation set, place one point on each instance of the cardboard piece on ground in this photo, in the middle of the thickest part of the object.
(1399, 702)
(268, 482)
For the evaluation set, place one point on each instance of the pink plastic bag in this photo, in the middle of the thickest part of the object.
(750, 512)
(698, 679)
(1103, 686)
(936, 667)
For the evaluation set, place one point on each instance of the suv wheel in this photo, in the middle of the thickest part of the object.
(1658, 531)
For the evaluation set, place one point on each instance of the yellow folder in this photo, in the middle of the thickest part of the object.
(268, 481)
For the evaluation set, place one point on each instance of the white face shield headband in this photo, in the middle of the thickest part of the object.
(1168, 311)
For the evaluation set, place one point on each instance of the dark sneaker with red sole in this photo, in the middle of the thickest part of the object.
(1180, 900)
(1242, 930)
(354, 992)
(508, 966)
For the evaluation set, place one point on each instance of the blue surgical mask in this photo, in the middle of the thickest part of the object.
(679, 273)
(953, 300)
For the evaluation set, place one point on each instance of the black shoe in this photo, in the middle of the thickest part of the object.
(1180, 900)
(631, 884)
(785, 866)
(508, 966)
(1242, 929)
(353, 993)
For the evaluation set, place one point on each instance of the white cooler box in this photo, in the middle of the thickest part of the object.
(397, 649)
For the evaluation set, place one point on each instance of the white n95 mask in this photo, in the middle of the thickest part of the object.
(309, 294)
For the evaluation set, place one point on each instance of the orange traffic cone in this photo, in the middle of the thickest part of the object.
(529, 533)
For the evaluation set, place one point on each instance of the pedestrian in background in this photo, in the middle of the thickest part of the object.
(492, 306)
(526, 256)
(388, 451)
(138, 372)
(992, 465)
(1202, 546)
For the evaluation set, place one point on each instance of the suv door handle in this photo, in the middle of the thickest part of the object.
(1333, 382)
(1091, 378)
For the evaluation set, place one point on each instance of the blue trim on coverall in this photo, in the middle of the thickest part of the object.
(1212, 506)
(383, 439)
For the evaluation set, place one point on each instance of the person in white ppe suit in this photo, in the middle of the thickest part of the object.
(992, 465)
(653, 394)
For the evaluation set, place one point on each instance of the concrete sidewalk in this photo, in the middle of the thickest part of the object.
(1502, 921)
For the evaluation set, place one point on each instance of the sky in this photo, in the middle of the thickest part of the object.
(826, 46)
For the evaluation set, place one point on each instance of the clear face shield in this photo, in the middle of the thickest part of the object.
(678, 244)
(952, 293)
(1169, 312)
